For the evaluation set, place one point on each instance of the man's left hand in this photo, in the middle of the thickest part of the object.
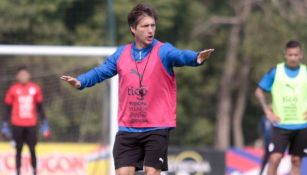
(204, 55)
(45, 130)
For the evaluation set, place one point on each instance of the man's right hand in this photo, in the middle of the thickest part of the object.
(271, 116)
(71, 80)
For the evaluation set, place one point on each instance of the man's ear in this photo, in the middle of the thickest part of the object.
(132, 29)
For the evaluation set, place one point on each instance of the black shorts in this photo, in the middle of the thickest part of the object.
(141, 149)
(296, 140)
(26, 135)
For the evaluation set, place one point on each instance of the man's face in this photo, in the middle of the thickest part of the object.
(293, 56)
(23, 76)
(144, 31)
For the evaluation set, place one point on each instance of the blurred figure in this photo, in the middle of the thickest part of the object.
(266, 132)
(287, 83)
(23, 103)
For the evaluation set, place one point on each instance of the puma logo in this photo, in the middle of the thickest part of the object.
(161, 160)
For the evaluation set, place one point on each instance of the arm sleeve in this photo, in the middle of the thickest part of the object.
(9, 97)
(39, 103)
(40, 111)
(173, 57)
(98, 74)
(267, 80)
(7, 112)
(38, 96)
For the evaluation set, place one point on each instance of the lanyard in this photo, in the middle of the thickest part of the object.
(141, 76)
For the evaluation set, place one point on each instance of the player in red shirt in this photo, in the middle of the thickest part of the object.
(23, 103)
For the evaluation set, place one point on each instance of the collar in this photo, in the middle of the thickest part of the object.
(292, 68)
(145, 49)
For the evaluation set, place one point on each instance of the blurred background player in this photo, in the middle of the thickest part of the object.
(147, 93)
(287, 83)
(23, 103)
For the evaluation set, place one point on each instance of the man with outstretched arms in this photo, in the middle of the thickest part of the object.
(147, 93)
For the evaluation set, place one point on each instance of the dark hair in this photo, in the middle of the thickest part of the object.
(22, 68)
(139, 11)
(293, 44)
